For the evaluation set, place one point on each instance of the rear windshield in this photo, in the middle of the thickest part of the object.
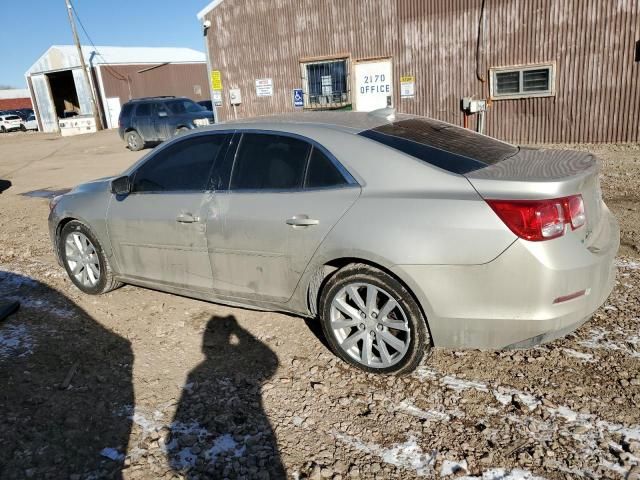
(184, 106)
(443, 145)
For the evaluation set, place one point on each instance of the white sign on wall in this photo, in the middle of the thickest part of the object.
(264, 87)
(235, 97)
(374, 85)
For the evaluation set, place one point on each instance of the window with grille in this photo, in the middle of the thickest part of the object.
(326, 84)
(522, 82)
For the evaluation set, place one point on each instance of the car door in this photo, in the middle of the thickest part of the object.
(161, 122)
(158, 231)
(267, 224)
(143, 119)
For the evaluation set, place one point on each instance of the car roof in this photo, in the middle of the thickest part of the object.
(349, 122)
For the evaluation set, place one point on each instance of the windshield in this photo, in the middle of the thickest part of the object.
(178, 107)
(447, 146)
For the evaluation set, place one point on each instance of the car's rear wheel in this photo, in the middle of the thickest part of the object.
(134, 141)
(372, 321)
(84, 260)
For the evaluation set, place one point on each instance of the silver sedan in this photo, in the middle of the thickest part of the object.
(398, 232)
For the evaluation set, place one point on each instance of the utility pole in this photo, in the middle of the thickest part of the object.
(94, 104)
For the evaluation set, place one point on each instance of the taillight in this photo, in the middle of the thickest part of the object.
(537, 220)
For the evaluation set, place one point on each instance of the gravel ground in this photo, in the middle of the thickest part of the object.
(144, 385)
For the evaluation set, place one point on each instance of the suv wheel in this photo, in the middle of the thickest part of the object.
(371, 320)
(134, 141)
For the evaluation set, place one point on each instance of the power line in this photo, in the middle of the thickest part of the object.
(113, 72)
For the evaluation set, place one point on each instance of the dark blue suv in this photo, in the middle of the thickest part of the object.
(155, 119)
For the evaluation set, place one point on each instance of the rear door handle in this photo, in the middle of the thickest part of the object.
(186, 218)
(302, 221)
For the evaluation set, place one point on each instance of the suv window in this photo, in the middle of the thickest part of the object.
(126, 109)
(143, 110)
(321, 172)
(269, 162)
(178, 107)
(184, 166)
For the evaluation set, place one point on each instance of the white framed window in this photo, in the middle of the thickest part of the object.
(326, 83)
(522, 81)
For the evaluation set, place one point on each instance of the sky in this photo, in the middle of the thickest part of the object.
(30, 27)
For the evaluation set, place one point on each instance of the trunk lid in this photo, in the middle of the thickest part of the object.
(534, 174)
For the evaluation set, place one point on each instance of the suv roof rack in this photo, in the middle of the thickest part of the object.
(152, 98)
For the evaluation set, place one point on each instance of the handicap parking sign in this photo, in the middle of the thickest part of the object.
(298, 99)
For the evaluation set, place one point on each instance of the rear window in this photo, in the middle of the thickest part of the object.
(12, 117)
(446, 146)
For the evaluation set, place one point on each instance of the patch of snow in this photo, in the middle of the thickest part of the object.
(453, 468)
(407, 407)
(502, 474)
(112, 454)
(15, 341)
(587, 357)
(627, 264)
(407, 455)
(425, 373)
(459, 384)
(598, 341)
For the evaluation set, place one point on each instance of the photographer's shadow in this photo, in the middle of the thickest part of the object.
(220, 428)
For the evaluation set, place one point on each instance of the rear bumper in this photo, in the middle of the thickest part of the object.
(509, 302)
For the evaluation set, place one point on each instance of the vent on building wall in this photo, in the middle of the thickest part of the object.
(638, 51)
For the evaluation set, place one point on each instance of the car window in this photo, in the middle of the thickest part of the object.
(161, 108)
(322, 172)
(179, 107)
(269, 162)
(12, 117)
(143, 110)
(183, 166)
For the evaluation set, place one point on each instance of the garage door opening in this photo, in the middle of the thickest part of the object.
(63, 91)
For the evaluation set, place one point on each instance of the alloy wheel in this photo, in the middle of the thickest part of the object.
(370, 325)
(82, 259)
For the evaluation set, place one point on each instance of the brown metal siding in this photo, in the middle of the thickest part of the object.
(135, 81)
(592, 44)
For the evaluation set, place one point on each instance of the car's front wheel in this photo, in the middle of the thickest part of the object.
(134, 141)
(372, 321)
(84, 260)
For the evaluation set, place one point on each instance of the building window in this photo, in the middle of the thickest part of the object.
(522, 82)
(326, 84)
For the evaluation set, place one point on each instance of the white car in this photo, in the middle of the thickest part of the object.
(31, 122)
(9, 123)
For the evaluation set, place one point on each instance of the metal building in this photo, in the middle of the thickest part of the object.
(550, 70)
(58, 87)
(12, 99)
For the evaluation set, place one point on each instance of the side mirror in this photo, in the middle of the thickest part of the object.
(121, 186)
(162, 114)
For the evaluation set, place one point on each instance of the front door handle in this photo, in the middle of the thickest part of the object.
(302, 221)
(186, 218)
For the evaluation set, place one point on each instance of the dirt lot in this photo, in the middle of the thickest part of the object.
(159, 386)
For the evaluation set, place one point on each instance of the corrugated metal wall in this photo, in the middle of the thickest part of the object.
(135, 81)
(591, 42)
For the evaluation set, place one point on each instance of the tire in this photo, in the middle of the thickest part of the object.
(134, 141)
(3, 129)
(75, 232)
(398, 342)
(23, 128)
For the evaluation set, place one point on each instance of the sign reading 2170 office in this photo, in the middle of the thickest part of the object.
(374, 85)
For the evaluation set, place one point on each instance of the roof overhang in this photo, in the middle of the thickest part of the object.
(208, 8)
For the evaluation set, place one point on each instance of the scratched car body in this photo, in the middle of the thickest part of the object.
(398, 232)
